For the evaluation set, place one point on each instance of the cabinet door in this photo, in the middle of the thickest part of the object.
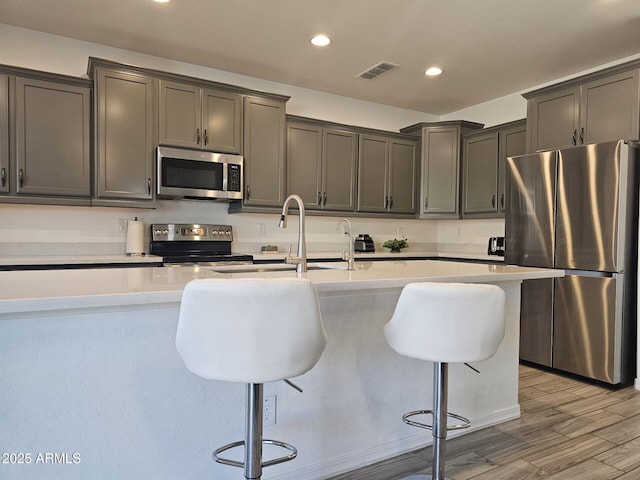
(52, 138)
(480, 174)
(264, 152)
(124, 135)
(511, 142)
(339, 151)
(440, 171)
(402, 193)
(221, 121)
(180, 115)
(304, 163)
(553, 119)
(4, 133)
(610, 108)
(373, 159)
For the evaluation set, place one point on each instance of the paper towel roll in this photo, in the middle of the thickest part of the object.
(135, 237)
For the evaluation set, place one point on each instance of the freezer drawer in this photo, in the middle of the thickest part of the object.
(536, 318)
(590, 337)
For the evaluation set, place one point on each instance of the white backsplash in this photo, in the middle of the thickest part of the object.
(30, 230)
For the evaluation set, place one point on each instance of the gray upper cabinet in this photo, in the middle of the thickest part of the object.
(264, 152)
(321, 166)
(124, 144)
(593, 109)
(480, 174)
(386, 174)
(440, 166)
(4, 133)
(52, 138)
(483, 167)
(373, 158)
(194, 117)
(512, 140)
(402, 172)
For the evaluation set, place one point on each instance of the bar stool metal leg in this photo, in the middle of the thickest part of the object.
(439, 431)
(253, 435)
(439, 426)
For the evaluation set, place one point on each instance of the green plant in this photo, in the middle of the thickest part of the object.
(396, 245)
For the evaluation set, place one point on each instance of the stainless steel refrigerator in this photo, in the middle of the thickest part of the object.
(576, 209)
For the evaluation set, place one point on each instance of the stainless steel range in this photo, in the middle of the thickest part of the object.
(194, 244)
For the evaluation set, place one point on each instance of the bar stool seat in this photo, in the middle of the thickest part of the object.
(445, 323)
(250, 331)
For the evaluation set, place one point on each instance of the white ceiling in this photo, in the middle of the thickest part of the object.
(487, 48)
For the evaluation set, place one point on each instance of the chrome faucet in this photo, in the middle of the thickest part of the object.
(349, 257)
(300, 261)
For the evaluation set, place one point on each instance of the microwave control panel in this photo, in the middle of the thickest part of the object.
(233, 178)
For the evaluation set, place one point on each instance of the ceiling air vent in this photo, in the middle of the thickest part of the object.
(377, 70)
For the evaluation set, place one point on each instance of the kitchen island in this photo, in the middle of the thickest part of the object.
(90, 375)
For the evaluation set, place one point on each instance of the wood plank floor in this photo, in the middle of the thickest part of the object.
(568, 430)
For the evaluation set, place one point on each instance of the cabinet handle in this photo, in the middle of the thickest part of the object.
(21, 178)
(324, 198)
(320, 198)
(493, 201)
(248, 191)
(502, 201)
(149, 185)
(206, 137)
(386, 202)
(582, 136)
(3, 177)
(426, 202)
(197, 136)
(390, 201)
(574, 138)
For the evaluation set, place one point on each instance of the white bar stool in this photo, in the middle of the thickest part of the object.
(251, 331)
(445, 323)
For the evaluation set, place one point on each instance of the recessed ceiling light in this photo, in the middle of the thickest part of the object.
(321, 40)
(433, 71)
(162, 1)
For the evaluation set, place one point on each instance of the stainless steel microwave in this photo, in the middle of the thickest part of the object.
(184, 173)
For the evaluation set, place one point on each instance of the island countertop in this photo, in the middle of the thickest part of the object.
(29, 291)
(77, 342)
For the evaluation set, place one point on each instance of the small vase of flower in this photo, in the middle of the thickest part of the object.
(396, 245)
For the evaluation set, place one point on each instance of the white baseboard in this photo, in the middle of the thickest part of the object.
(637, 383)
(362, 458)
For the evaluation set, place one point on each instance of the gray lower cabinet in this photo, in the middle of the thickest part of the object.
(124, 139)
(321, 166)
(386, 174)
(4, 133)
(194, 117)
(264, 152)
(484, 155)
(52, 138)
(440, 166)
(584, 111)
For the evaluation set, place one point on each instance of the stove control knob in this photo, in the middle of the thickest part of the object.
(165, 232)
(214, 233)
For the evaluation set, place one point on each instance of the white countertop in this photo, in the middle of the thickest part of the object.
(386, 254)
(78, 260)
(61, 260)
(42, 290)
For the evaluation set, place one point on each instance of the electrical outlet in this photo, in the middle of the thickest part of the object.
(269, 410)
